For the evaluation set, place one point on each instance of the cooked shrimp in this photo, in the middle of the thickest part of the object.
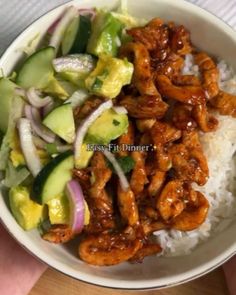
(126, 139)
(60, 233)
(144, 125)
(138, 177)
(205, 121)
(149, 226)
(108, 249)
(225, 103)
(100, 203)
(163, 133)
(148, 249)
(180, 39)
(193, 95)
(193, 216)
(81, 112)
(144, 107)
(182, 117)
(186, 80)
(171, 203)
(101, 174)
(154, 36)
(127, 205)
(142, 77)
(188, 160)
(209, 72)
(101, 214)
(169, 67)
(83, 176)
(156, 182)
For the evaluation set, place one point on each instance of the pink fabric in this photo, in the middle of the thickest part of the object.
(230, 275)
(19, 271)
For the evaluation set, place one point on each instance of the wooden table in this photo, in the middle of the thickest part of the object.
(54, 283)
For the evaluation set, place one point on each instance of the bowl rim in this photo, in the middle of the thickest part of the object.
(152, 284)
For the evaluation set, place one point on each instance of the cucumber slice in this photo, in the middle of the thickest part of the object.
(61, 121)
(6, 94)
(70, 36)
(77, 35)
(37, 70)
(51, 180)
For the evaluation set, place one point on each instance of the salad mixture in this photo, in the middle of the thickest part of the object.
(100, 134)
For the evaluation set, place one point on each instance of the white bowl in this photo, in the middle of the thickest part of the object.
(208, 33)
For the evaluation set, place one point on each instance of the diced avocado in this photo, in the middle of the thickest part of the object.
(110, 75)
(37, 70)
(59, 88)
(85, 156)
(86, 213)
(74, 77)
(26, 212)
(106, 30)
(58, 210)
(16, 154)
(76, 35)
(51, 180)
(107, 127)
(6, 94)
(61, 121)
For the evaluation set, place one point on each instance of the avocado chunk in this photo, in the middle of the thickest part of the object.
(58, 210)
(85, 156)
(109, 76)
(61, 122)
(104, 39)
(6, 94)
(107, 127)
(27, 213)
(60, 88)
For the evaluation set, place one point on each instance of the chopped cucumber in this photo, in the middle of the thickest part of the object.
(76, 36)
(61, 121)
(51, 180)
(106, 30)
(37, 70)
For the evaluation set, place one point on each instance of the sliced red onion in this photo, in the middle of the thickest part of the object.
(82, 63)
(33, 115)
(83, 128)
(57, 35)
(78, 98)
(52, 28)
(88, 12)
(48, 108)
(28, 148)
(77, 207)
(20, 91)
(123, 180)
(35, 100)
(120, 110)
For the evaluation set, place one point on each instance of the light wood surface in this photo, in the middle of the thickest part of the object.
(55, 283)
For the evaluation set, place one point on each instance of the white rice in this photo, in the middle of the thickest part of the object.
(219, 148)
